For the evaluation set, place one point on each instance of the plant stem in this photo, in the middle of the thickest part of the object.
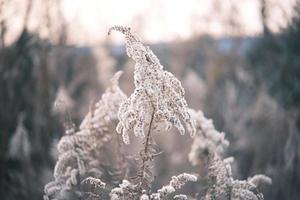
(145, 157)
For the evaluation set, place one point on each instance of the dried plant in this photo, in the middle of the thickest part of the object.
(156, 105)
(208, 139)
(158, 99)
(128, 190)
(78, 150)
(207, 147)
(224, 186)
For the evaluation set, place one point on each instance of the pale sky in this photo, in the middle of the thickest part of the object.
(157, 20)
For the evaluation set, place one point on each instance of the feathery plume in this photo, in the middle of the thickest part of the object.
(158, 96)
(224, 186)
(77, 149)
(208, 139)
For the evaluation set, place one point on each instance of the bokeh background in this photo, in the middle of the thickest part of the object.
(238, 60)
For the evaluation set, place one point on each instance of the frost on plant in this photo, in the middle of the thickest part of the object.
(78, 163)
(156, 104)
(158, 96)
(180, 197)
(176, 183)
(207, 148)
(224, 186)
(127, 190)
(208, 139)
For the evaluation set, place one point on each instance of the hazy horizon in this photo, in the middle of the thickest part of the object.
(155, 21)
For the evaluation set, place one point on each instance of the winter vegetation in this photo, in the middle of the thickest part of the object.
(156, 104)
(199, 117)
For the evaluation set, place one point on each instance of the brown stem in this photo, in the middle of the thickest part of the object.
(145, 157)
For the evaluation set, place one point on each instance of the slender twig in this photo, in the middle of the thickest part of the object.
(145, 157)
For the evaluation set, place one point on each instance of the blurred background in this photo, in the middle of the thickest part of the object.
(238, 60)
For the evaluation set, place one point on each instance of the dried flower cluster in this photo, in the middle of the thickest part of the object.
(207, 147)
(127, 190)
(158, 98)
(224, 186)
(176, 183)
(77, 150)
(78, 165)
(208, 139)
(156, 104)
